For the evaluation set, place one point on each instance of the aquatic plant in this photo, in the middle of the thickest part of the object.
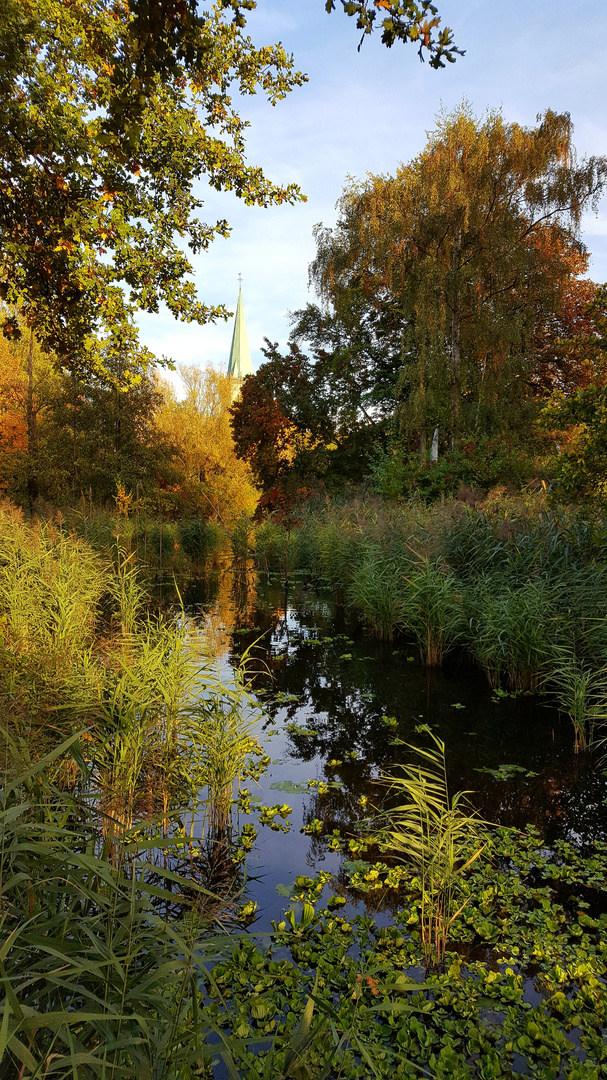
(96, 980)
(127, 591)
(339, 540)
(581, 692)
(50, 586)
(201, 540)
(439, 836)
(512, 630)
(167, 726)
(377, 592)
(432, 610)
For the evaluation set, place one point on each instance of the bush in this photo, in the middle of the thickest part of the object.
(482, 464)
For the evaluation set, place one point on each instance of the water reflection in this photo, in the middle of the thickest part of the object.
(340, 706)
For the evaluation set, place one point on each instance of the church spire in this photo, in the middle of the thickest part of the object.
(240, 355)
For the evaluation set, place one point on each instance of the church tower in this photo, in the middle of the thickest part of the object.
(240, 355)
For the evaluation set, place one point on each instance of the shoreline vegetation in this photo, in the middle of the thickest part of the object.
(514, 584)
(122, 863)
(455, 352)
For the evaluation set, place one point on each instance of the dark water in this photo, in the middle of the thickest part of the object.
(330, 691)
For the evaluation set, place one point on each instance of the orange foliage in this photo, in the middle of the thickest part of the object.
(13, 427)
(561, 360)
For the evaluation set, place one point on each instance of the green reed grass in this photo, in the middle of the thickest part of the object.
(105, 956)
(581, 692)
(127, 591)
(512, 630)
(166, 725)
(439, 836)
(377, 591)
(162, 724)
(433, 611)
(50, 588)
(96, 981)
(510, 580)
(201, 540)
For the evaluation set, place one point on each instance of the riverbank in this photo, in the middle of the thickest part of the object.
(338, 986)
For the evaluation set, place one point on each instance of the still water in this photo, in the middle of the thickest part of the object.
(338, 706)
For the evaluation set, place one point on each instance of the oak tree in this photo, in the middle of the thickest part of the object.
(110, 113)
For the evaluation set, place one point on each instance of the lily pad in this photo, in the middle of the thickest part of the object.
(506, 772)
(289, 786)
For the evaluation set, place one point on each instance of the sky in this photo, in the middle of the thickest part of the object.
(366, 112)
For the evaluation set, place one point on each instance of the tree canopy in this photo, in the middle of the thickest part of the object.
(211, 480)
(474, 244)
(109, 115)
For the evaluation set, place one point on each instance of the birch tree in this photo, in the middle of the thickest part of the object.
(472, 242)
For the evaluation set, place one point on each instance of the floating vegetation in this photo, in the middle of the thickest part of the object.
(507, 772)
(303, 732)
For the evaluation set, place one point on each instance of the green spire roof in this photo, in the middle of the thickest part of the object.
(240, 355)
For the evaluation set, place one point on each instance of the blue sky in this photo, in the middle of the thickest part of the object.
(366, 112)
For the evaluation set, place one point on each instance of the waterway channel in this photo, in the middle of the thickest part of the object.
(338, 707)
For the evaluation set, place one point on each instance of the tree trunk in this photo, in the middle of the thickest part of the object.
(456, 330)
(32, 432)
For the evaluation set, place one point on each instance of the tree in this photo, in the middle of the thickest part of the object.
(212, 481)
(263, 435)
(304, 423)
(404, 20)
(474, 243)
(357, 351)
(577, 415)
(109, 114)
(28, 388)
(13, 428)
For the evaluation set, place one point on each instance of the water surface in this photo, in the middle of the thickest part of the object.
(339, 704)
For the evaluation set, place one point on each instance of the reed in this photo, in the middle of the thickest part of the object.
(433, 611)
(127, 591)
(581, 692)
(339, 540)
(170, 733)
(377, 591)
(439, 836)
(202, 541)
(97, 982)
(512, 629)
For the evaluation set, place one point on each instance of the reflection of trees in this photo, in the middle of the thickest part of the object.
(564, 799)
(209, 864)
(225, 602)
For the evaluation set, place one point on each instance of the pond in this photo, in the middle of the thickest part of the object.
(340, 704)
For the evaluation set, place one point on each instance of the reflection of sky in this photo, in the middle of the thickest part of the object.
(365, 112)
(322, 706)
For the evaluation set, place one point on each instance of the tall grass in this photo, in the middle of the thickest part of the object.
(158, 544)
(169, 731)
(50, 588)
(377, 591)
(439, 836)
(96, 981)
(511, 581)
(106, 962)
(581, 693)
(165, 731)
(433, 611)
(512, 630)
